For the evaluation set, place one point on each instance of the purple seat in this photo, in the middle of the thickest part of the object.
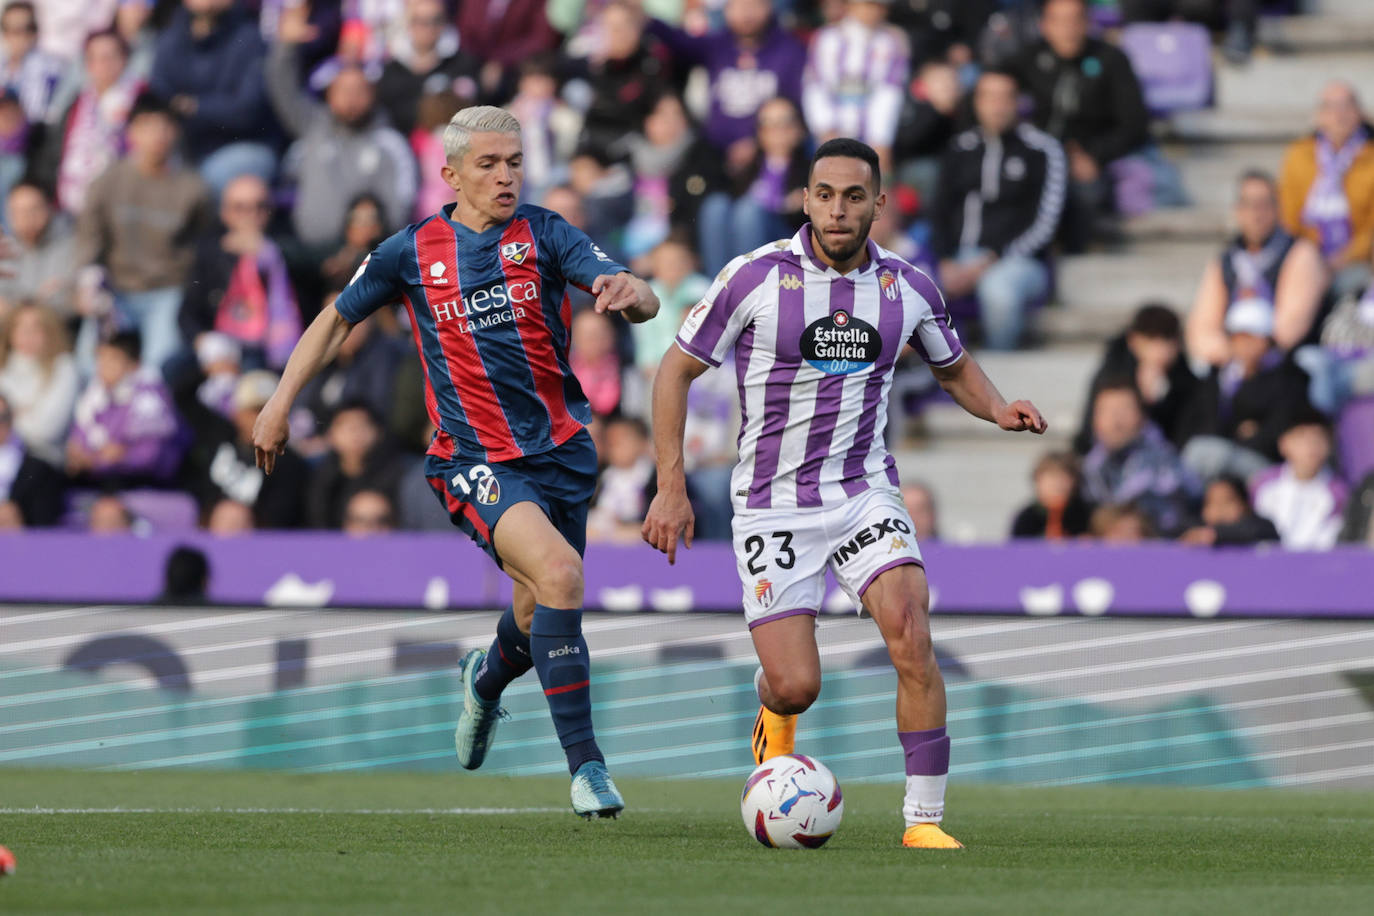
(1173, 61)
(155, 511)
(165, 511)
(1355, 438)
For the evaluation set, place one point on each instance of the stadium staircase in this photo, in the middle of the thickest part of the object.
(981, 477)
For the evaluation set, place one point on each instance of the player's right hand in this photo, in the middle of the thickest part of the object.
(270, 432)
(670, 517)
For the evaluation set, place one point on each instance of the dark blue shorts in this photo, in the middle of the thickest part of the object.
(561, 482)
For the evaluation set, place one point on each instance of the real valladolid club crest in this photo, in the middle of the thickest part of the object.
(763, 591)
(888, 282)
(515, 251)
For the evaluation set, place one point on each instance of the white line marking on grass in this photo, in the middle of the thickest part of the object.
(459, 811)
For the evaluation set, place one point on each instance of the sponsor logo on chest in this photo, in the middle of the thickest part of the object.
(488, 305)
(840, 344)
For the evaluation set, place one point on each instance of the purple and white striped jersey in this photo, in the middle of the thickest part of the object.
(814, 353)
(855, 81)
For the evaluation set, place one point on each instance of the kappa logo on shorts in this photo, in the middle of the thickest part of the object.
(763, 592)
(869, 536)
(488, 491)
(898, 543)
(515, 251)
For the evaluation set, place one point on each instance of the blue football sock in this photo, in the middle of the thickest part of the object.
(560, 658)
(507, 659)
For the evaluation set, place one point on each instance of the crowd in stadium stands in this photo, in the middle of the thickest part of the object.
(186, 182)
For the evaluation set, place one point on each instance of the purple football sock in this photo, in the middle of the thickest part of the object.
(927, 752)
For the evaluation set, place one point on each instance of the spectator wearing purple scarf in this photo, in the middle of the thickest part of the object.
(239, 284)
(1326, 188)
(749, 62)
(126, 430)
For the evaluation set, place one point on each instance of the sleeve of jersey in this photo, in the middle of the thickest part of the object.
(376, 283)
(579, 258)
(934, 337)
(713, 324)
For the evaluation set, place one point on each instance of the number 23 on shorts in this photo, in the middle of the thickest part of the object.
(783, 555)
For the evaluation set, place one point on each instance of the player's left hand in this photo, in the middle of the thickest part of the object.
(624, 292)
(1019, 416)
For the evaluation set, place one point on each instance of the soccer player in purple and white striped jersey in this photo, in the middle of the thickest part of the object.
(815, 324)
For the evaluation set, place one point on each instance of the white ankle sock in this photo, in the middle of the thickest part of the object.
(925, 799)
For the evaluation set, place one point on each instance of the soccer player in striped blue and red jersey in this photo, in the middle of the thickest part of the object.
(485, 284)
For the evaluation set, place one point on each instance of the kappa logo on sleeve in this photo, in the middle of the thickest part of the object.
(600, 255)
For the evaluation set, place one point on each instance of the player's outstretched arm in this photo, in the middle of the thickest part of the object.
(316, 349)
(973, 390)
(627, 294)
(670, 514)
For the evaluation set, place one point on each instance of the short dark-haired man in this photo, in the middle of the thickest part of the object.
(999, 198)
(1086, 96)
(816, 324)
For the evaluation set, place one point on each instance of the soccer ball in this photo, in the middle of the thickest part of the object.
(791, 802)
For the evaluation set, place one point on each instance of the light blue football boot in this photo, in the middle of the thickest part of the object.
(593, 792)
(472, 737)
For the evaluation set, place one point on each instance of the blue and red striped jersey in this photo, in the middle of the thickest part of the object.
(491, 318)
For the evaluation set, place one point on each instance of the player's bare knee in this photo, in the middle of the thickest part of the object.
(794, 694)
(559, 583)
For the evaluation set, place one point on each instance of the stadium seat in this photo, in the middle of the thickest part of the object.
(1173, 61)
(1355, 438)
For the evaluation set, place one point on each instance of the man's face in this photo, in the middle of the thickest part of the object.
(747, 18)
(352, 434)
(350, 97)
(244, 205)
(869, 12)
(842, 203)
(112, 365)
(490, 175)
(621, 31)
(19, 31)
(104, 62)
(1157, 352)
(1338, 112)
(425, 23)
(1306, 449)
(779, 130)
(1064, 24)
(206, 7)
(29, 214)
(368, 513)
(567, 203)
(152, 137)
(1221, 505)
(1257, 211)
(666, 123)
(994, 102)
(1117, 420)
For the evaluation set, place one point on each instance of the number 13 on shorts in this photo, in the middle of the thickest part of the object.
(484, 487)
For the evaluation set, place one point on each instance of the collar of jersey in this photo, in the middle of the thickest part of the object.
(446, 211)
(802, 247)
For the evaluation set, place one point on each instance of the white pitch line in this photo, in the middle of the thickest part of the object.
(459, 811)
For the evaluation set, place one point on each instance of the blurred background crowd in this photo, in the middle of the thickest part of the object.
(187, 182)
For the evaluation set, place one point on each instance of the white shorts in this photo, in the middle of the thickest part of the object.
(782, 554)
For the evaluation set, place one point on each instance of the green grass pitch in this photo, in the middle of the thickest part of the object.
(268, 843)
